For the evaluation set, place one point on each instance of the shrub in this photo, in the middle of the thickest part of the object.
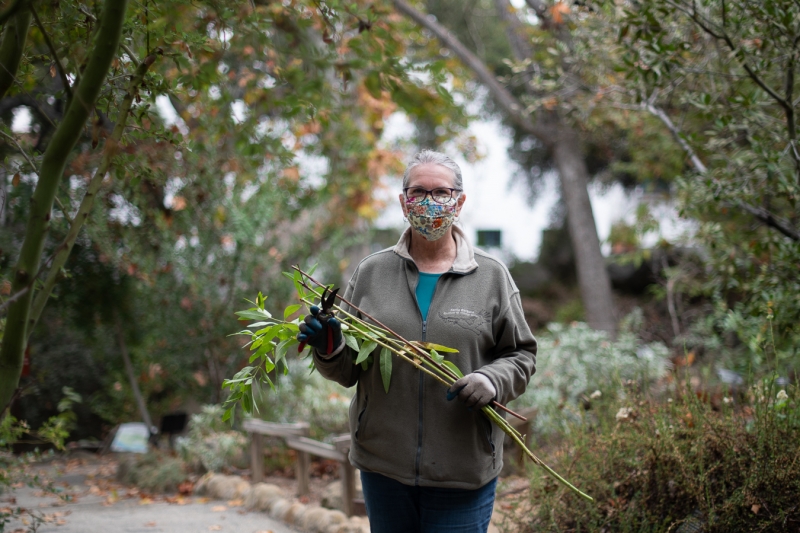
(575, 362)
(152, 472)
(678, 466)
(210, 444)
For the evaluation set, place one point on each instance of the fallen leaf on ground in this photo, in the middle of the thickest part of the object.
(186, 487)
(145, 501)
(755, 508)
(235, 503)
(215, 528)
(218, 509)
(150, 524)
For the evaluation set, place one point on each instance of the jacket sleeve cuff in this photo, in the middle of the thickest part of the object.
(337, 351)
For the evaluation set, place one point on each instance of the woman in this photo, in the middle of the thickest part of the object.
(429, 464)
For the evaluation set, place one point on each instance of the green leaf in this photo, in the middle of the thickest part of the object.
(365, 350)
(436, 357)
(454, 368)
(290, 311)
(253, 314)
(280, 350)
(373, 84)
(386, 368)
(351, 341)
(439, 348)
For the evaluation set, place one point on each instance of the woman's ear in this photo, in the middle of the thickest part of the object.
(460, 203)
(403, 204)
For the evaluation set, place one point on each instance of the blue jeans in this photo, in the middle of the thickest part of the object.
(397, 508)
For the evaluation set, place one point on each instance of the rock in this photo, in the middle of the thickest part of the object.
(279, 508)
(314, 520)
(225, 487)
(262, 497)
(295, 511)
(355, 524)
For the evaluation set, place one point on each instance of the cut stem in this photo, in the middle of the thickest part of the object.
(420, 351)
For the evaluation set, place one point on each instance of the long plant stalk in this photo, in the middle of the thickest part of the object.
(446, 376)
(425, 355)
(273, 336)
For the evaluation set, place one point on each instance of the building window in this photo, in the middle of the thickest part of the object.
(490, 238)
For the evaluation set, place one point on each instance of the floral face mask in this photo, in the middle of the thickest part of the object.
(431, 219)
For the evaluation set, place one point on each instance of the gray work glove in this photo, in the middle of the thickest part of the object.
(475, 390)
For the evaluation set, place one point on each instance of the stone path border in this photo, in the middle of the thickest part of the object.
(274, 501)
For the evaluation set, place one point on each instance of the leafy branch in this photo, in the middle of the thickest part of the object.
(272, 338)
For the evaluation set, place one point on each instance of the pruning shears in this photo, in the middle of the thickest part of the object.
(326, 312)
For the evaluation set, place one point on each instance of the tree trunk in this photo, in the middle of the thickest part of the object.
(41, 203)
(137, 393)
(563, 143)
(593, 279)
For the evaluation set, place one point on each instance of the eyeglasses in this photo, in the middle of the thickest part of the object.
(440, 195)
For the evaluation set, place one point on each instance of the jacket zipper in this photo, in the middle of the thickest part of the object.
(421, 397)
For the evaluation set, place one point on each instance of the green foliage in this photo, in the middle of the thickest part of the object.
(272, 156)
(658, 466)
(54, 431)
(211, 445)
(576, 364)
(724, 75)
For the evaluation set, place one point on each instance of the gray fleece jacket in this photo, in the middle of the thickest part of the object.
(412, 433)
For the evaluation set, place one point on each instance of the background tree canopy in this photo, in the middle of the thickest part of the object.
(177, 157)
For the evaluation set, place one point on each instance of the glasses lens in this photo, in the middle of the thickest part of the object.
(415, 194)
(441, 195)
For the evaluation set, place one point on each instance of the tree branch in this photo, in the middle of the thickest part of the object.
(769, 219)
(10, 11)
(506, 100)
(104, 49)
(15, 34)
(539, 7)
(85, 209)
(676, 134)
(59, 66)
(724, 37)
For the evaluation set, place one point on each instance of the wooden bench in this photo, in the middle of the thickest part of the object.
(296, 437)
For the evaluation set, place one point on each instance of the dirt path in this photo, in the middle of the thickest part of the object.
(90, 501)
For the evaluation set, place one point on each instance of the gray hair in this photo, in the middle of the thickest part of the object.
(429, 157)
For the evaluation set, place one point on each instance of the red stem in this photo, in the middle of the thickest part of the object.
(420, 351)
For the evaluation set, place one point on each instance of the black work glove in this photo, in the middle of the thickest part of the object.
(322, 334)
(475, 390)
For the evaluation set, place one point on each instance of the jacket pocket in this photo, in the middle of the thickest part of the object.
(361, 420)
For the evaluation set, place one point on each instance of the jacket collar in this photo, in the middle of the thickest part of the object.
(465, 254)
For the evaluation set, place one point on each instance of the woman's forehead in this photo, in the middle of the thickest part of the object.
(431, 175)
